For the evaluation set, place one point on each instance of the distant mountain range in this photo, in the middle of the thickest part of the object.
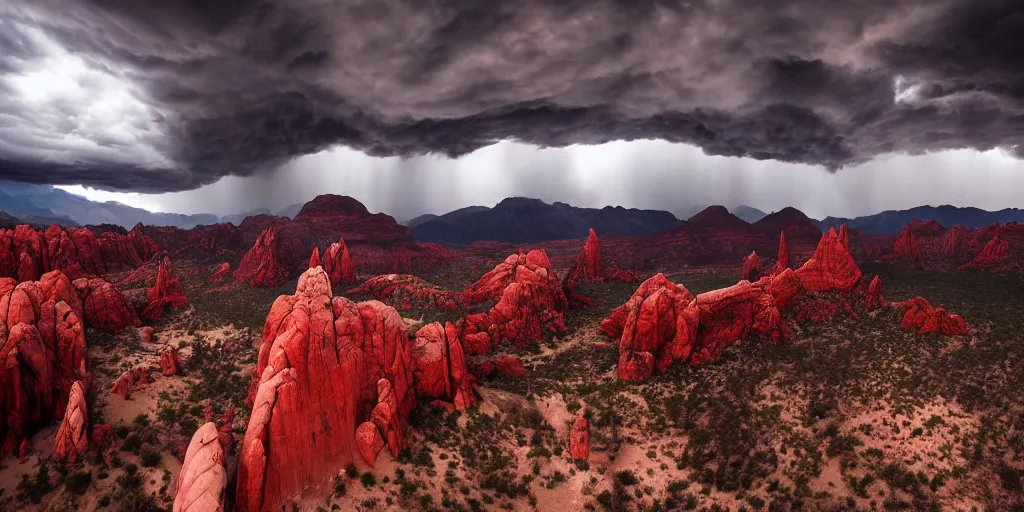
(892, 221)
(525, 220)
(44, 204)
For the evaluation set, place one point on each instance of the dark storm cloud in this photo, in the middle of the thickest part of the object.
(240, 87)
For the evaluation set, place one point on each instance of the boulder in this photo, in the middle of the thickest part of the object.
(166, 292)
(128, 380)
(260, 266)
(919, 315)
(994, 253)
(338, 263)
(72, 440)
(440, 366)
(219, 275)
(326, 365)
(104, 307)
(615, 323)
(203, 480)
(579, 439)
(875, 300)
(510, 367)
(147, 334)
(169, 363)
(752, 267)
(407, 292)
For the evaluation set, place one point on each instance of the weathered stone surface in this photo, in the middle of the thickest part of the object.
(166, 292)
(72, 440)
(260, 266)
(994, 253)
(921, 316)
(531, 300)
(314, 259)
(145, 246)
(844, 237)
(440, 366)
(782, 258)
(731, 314)
(587, 265)
(338, 263)
(579, 439)
(203, 480)
(369, 442)
(614, 325)
(42, 354)
(104, 307)
(905, 247)
(407, 292)
(954, 242)
(169, 363)
(875, 300)
(510, 367)
(752, 267)
(319, 375)
(831, 268)
(129, 380)
(219, 275)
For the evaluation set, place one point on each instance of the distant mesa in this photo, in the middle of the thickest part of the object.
(716, 217)
(330, 205)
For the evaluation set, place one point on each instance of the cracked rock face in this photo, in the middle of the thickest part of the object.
(203, 480)
(72, 440)
(326, 365)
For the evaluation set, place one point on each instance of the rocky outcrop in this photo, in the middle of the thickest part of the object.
(530, 300)
(145, 246)
(407, 292)
(614, 325)
(219, 275)
(587, 265)
(919, 315)
(318, 376)
(509, 366)
(314, 259)
(104, 307)
(831, 268)
(27, 253)
(752, 267)
(387, 421)
(72, 440)
(579, 439)
(954, 242)
(440, 366)
(260, 266)
(993, 254)
(166, 292)
(905, 247)
(203, 480)
(844, 237)
(782, 258)
(875, 300)
(338, 263)
(169, 362)
(42, 354)
(129, 380)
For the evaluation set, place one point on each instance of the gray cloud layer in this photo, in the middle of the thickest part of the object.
(215, 88)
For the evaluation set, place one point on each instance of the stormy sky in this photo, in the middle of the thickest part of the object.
(903, 100)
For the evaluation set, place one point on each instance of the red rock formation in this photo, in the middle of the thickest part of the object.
(954, 242)
(614, 273)
(816, 311)
(169, 363)
(651, 326)
(166, 291)
(752, 267)
(407, 292)
(128, 380)
(844, 236)
(260, 266)
(875, 300)
(27, 246)
(586, 266)
(924, 227)
(921, 316)
(530, 301)
(72, 440)
(510, 367)
(203, 480)
(782, 259)
(440, 366)
(118, 252)
(388, 422)
(831, 268)
(614, 325)
(146, 334)
(579, 439)
(731, 314)
(994, 253)
(220, 274)
(145, 246)
(338, 263)
(906, 247)
(42, 354)
(314, 259)
(318, 377)
(104, 307)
